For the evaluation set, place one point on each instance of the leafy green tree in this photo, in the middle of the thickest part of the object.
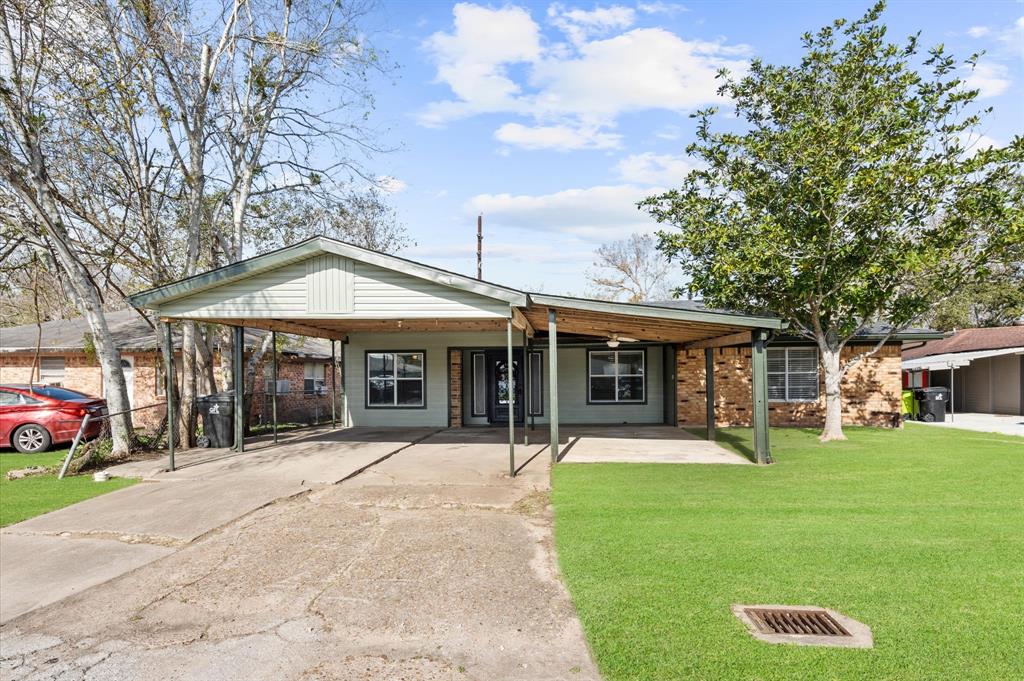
(852, 194)
(995, 301)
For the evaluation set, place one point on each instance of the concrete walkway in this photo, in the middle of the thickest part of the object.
(984, 423)
(644, 444)
(431, 564)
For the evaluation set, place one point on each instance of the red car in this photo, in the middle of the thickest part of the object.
(34, 417)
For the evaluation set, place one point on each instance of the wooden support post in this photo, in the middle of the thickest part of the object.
(553, 382)
(709, 390)
(239, 381)
(526, 389)
(334, 386)
(169, 392)
(273, 378)
(510, 369)
(759, 376)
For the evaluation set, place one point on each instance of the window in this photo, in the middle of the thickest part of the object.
(9, 399)
(792, 374)
(283, 386)
(616, 376)
(51, 370)
(536, 384)
(395, 379)
(479, 401)
(313, 378)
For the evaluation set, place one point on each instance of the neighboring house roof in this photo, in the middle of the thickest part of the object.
(970, 340)
(955, 360)
(131, 332)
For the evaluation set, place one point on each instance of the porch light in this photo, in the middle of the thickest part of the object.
(613, 342)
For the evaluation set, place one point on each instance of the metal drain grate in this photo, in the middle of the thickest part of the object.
(795, 622)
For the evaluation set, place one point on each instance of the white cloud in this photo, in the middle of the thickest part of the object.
(978, 31)
(579, 25)
(473, 59)
(654, 169)
(556, 137)
(659, 7)
(989, 78)
(1013, 37)
(596, 213)
(583, 86)
(391, 185)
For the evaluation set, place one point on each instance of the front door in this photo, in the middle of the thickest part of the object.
(498, 385)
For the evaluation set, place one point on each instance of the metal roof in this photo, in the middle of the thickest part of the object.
(661, 311)
(955, 360)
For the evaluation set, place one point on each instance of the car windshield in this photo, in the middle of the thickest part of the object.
(57, 393)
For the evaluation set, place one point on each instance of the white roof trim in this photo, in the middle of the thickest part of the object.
(955, 360)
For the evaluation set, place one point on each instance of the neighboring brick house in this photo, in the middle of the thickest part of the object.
(303, 367)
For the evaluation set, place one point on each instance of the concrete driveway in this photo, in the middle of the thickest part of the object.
(111, 534)
(430, 564)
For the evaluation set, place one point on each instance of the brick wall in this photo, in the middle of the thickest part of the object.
(83, 374)
(455, 385)
(870, 391)
(295, 405)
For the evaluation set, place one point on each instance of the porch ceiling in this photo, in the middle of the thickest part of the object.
(603, 324)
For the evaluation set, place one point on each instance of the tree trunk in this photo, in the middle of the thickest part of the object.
(187, 406)
(830, 364)
(254, 361)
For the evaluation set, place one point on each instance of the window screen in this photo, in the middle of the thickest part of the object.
(616, 376)
(313, 378)
(792, 374)
(395, 379)
(51, 370)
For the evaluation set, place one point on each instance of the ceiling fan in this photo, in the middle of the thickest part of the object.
(614, 340)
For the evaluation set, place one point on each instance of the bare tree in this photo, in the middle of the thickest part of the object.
(30, 136)
(631, 268)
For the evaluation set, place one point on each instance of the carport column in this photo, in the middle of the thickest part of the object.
(510, 372)
(759, 376)
(553, 382)
(169, 392)
(526, 390)
(709, 390)
(344, 393)
(273, 378)
(239, 380)
(334, 386)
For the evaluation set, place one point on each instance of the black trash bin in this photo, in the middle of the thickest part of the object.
(931, 403)
(217, 411)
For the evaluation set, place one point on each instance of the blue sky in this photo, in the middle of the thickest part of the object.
(553, 119)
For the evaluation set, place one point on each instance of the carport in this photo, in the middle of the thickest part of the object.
(329, 289)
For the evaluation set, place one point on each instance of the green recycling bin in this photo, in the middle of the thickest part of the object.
(909, 405)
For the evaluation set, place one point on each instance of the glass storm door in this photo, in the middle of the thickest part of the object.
(498, 385)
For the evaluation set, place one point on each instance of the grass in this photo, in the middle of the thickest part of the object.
(38, 494)
(919, 533)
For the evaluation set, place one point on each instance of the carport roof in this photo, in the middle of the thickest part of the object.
(646, 321)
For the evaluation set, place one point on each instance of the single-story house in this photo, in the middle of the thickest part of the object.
(983, 368)
(422, 346)
(303, 369)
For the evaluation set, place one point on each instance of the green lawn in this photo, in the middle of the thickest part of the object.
(918, 533)
(28, 497)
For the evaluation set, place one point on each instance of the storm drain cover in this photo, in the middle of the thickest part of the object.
(803, 625)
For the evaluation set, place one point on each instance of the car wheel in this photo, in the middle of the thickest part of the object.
(31, 438)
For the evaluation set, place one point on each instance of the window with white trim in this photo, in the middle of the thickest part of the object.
(616, 376)
(51, 370)
(313, 378)
(792, 374)
(395, 379)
